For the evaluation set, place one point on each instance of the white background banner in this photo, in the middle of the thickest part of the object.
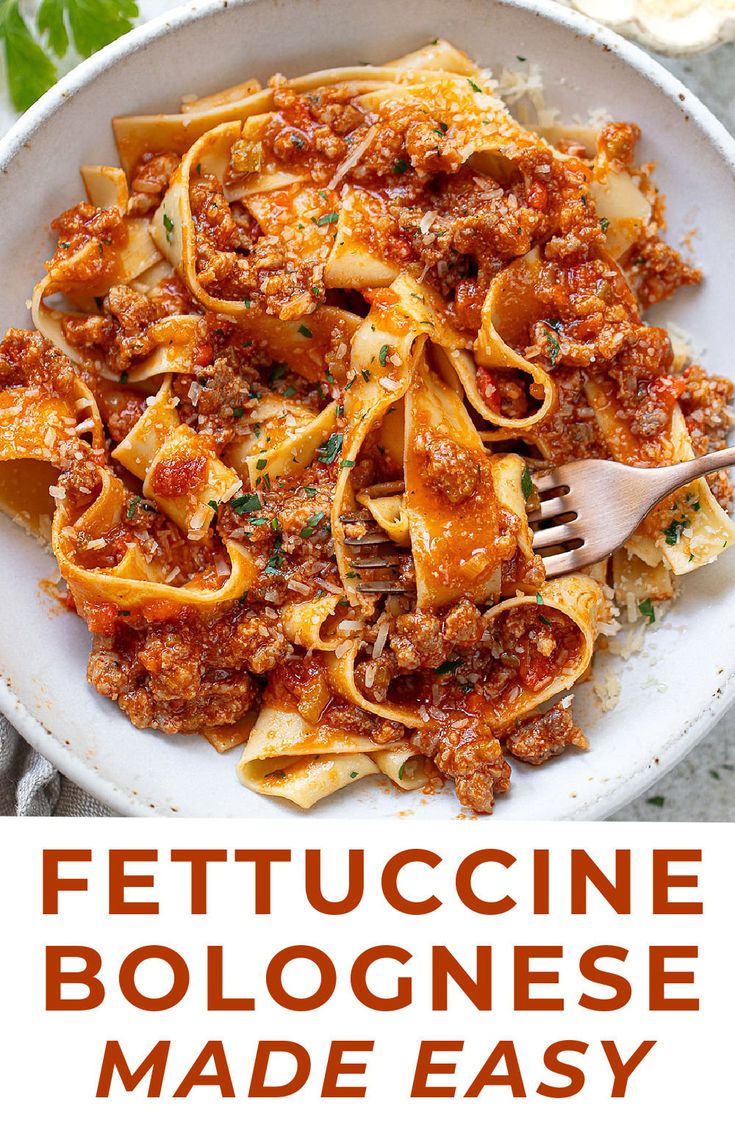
(527, 992)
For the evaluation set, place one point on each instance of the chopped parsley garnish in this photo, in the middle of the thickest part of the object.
(402, 769)
(305, 331)
(353, 775)
(383, 354)
(277, 372)
(604, 223)
(168, 225)
(246, 504)
(123, 377)
(656, 801)
(328, 452)
(312, 524)
(448, 667)
(298, 141)
(327, 219)
(347, 463)
(672, 532)
(400, 167)
(132, 505)
(214, 505)
(290, 391)
(554, 346)
(442, 129)
(366, 375)
(474, 86)
(646, 610)
(261, 464)
(526, 484)
(275, 561)
(238, 412)
(310, 492)
(539, 600)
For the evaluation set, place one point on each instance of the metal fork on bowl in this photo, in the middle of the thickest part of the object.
(589, 508)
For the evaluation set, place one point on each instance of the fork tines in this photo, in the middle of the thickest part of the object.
(387, 559)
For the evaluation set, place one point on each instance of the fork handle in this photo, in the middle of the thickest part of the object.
(679, 474)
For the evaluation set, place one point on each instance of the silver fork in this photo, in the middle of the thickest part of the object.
(589, 509)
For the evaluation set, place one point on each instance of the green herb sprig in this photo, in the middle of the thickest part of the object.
(35, 47)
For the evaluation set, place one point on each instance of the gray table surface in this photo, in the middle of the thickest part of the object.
(702, 787)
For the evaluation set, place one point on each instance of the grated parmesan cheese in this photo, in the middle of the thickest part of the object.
(380, 640)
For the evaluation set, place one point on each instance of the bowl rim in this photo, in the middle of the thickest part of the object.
(30, 727)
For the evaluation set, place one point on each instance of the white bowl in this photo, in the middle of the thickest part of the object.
(671, 693)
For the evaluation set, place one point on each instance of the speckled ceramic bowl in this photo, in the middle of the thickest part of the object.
(672, 692)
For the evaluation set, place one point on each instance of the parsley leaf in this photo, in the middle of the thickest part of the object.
(30, 70)
(672, 532)
(448, 667)
(328, 452)
(327, 219)
(246, 504)
(383, 354)
(312, 524)
(93, 23)
(646, 610)
(604, 223)
(554, 347)
(31, 47)
(526, 484)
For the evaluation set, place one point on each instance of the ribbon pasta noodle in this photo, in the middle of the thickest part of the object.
(293, 364)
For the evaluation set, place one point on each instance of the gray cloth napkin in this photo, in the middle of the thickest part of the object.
(30, 785)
